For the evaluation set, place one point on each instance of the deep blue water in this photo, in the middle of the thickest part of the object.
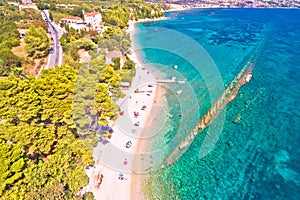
(257, 154)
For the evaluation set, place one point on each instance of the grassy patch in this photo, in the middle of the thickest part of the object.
(57, 16)
(28, 65)
(127, 75)
(20, 50)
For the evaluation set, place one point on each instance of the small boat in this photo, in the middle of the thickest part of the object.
(179, 92)
(183, 81)
(175, 67)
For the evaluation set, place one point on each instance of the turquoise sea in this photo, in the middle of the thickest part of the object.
(256, 153)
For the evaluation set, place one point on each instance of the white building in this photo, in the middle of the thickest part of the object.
(93, 20)
(27, 4)
(74, 22)
(71, 20)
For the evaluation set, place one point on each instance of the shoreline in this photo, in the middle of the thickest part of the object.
(104, 176)
(144, 159)
(143, 145)
(149, 20)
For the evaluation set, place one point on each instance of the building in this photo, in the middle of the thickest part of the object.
(27, 4)
(93, 21)
(74, 22)
(112, 54)
(71, 20)
(26, 1)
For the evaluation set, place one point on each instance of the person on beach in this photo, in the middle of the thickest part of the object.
(142, 156)
(121, 177)
(125, 162)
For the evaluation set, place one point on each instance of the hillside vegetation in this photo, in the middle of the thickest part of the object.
(48, 125)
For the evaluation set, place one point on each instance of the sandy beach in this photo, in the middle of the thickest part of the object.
(116, 173)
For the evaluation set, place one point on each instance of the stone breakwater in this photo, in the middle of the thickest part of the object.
(243, 77)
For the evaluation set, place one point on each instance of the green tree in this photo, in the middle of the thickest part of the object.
(37, 42)
(52, 6)
(110, 31)
(8, 31)
(98, 39)
(117, 63)
(9, 37)
(117, 16)
(77, 11)
(129, 64)
(42, 5)
(125, 45)
(12, 163)
(42, 154)
(85, 43)
(55, 88)
(9, 63)
(104, 104)
(110, 77)
(88, 196)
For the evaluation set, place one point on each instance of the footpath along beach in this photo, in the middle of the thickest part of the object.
(112, 176)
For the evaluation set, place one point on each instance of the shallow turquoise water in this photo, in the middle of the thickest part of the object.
(257, 156)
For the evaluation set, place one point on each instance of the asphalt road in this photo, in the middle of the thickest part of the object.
(55, 56)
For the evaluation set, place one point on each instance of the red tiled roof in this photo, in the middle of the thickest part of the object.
(113, 54)
(92, 14)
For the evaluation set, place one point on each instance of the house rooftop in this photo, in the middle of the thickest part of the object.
(113, 54)
(92, 14)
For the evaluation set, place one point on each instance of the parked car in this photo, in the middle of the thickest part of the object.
(51, 50)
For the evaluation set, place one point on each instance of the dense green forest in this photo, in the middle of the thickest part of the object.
(44, 131)
(37, 42)
(116, 13)
(12, 20)
(48, 125)
(9, 62)
(42, 153)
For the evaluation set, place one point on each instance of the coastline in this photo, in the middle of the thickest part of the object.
(178, 7)
(148, 20)
(142, 161)
(211, 171)
(104, 176)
